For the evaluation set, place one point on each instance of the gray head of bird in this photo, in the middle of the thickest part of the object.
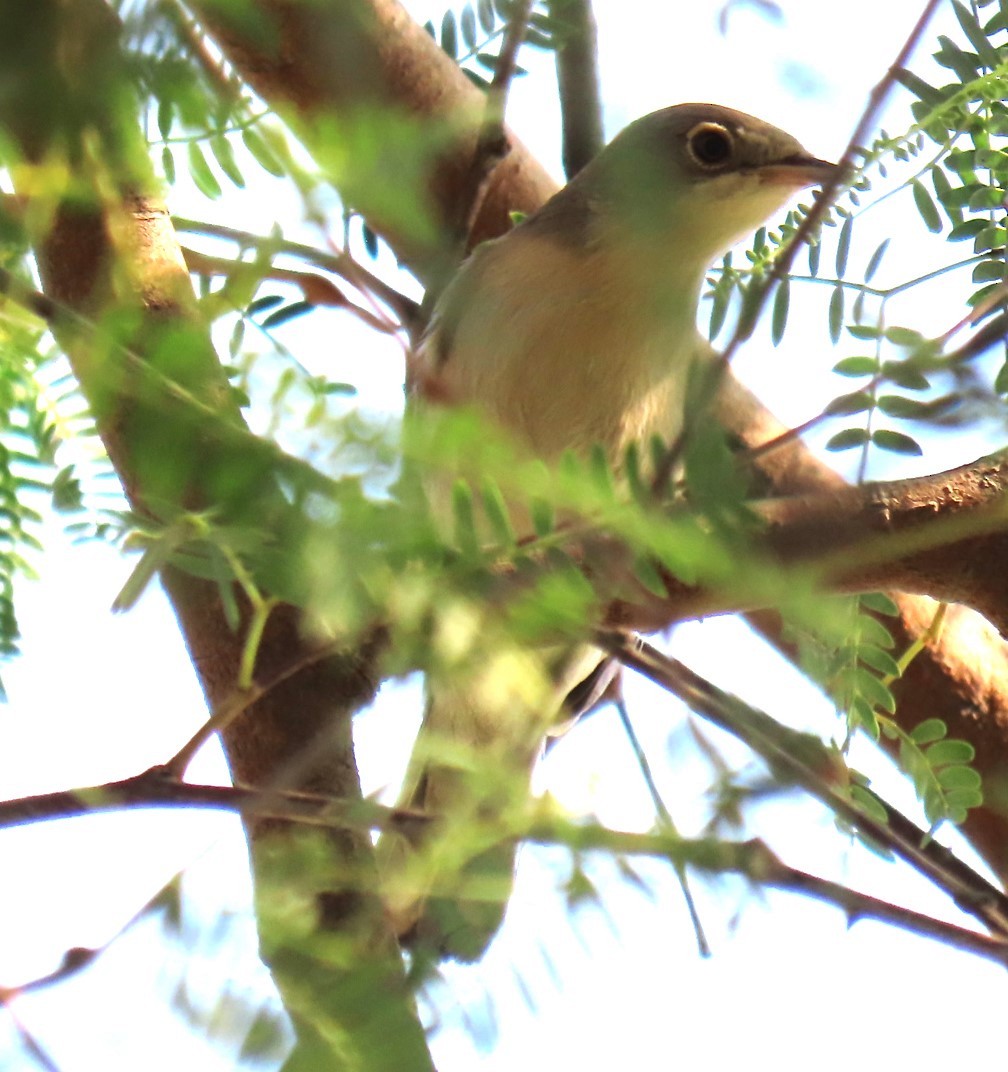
(693, 179)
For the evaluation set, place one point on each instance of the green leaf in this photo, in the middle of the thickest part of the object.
(926, 207)
(929, 731)
(989, 271)
(165, 117)
(449, 34)
(237, 338)
(959, 777)
(262, 153)
(542, 517)
(966, 65)
(864, 331)
(168, 165)
(872, 631)
(902, 336)
(876, 259)
(905, 375)
(1001, 380)
(538, 39)
(260, 305)
(226, 594)
(895, 442)
(288, 312)
(984, 198)
(202, 175)
(847, 439)
(845, 405)
(814, 253)
(223, 153)
(601, 472)
(963, 799)
(843, 246)
(904, 409)
(782, 300)
(927, 93)
(467, 24)
(868, 803)
(864, 717)
(963, 231)
(857, 312)
(66, 491)
(720, 298)
(647, 573)
(464, 518)
(639, 487)
(485, 12)
(874, 691)
(880, 661)
(943, 191)
(836, 312)
(950, 751)
(141, 576)
(935, 808)
(880, 603)
(977, 38)
(856, 366)
(497, 513)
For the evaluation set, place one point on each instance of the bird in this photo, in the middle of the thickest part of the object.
(574, 332)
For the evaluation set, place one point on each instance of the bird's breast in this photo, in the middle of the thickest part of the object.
(567, 348)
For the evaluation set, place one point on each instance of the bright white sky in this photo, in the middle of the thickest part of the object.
(97, 697)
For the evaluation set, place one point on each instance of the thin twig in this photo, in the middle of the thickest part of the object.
(77, 959)
(237, 704)
(315, 288)
(666, 821)
(751, 859)
(157, 788)
(755, 861)
(336, 261)
(804, 761)
(31, 1044)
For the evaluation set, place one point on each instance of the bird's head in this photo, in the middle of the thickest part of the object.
(696, 178)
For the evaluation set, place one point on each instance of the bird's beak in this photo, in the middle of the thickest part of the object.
(797, 172)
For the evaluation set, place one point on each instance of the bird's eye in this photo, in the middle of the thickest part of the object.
(710, 144)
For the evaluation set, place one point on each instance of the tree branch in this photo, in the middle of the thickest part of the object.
(578, 82)
(338, 262)
(801, 759)
(341, 58)
(751, 859)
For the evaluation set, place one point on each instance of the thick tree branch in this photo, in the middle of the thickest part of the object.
(336, 60)
(943, 536)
